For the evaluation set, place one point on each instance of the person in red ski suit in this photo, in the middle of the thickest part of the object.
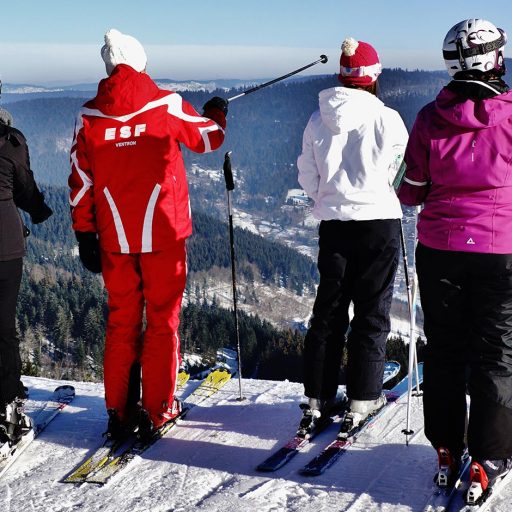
(131, 214)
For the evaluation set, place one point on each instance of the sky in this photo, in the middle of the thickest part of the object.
(58, 41)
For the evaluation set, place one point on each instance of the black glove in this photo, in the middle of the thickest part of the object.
(89, 251)
(43, 212)
(216, 102)
(39, 211)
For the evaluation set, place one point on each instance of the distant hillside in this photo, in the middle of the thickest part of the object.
(264, 129)
(208, 247)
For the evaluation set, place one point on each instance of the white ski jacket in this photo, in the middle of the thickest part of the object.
(352, 149)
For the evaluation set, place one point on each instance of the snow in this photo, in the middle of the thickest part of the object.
(207, 462)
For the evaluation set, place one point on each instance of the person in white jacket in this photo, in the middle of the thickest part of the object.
(352, 149)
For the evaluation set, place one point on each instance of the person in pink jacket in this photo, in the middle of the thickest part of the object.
(131, 215)
(459, 168)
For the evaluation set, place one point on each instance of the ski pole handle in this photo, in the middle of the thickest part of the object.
(228, 174)
(323, 59)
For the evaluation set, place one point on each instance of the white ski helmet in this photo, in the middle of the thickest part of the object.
(474, 44)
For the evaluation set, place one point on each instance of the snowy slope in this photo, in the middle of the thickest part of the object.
(207, 463)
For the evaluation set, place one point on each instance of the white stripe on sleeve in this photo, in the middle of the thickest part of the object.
(415, 183)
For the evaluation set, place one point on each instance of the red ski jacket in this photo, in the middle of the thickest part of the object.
(128, 180)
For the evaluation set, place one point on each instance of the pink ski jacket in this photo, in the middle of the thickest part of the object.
(128, 180)
(459, 165)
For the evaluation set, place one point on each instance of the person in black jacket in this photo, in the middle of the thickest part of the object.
(17, 190)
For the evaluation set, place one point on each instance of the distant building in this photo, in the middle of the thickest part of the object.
(297, 197)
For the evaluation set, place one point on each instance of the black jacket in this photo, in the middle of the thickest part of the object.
(17, 189)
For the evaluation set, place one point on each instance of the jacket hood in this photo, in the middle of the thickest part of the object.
(125, 91)
(473, 114)
(343, 108)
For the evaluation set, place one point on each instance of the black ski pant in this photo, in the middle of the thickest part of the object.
(357, 262)
(467, 305)
(10, 360)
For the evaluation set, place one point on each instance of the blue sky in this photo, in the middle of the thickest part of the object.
(59, 40)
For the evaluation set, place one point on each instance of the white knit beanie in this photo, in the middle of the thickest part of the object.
(122, 49)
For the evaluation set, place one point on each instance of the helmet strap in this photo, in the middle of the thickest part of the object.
(460, 54)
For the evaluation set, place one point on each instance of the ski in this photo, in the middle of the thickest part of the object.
(286, 452)
(121, 454)
(110, 449)
(441, 496)
(61, 397)
(333, 451)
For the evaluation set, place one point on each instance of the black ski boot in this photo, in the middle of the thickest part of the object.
(148, 428)
(311, 419)
(118, 430)
(14, 423)
(316, 414)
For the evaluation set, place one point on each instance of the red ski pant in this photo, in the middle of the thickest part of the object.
(153, 282)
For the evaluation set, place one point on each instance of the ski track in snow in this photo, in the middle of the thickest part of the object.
(207, 462)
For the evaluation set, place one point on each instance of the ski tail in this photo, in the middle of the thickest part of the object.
(183, 378)
(213, 382)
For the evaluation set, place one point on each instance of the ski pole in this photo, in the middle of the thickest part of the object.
(230, 186)
(323, 59)
(407, 431)
(413, 357)
(414, 306)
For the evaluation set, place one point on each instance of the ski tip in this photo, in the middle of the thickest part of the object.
(64, 393)
(66, 387)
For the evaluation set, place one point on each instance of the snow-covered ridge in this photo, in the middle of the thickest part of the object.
(187, 86)
(164, 83)
(28, 89)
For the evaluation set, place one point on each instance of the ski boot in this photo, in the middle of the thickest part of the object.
(14, 423)
(147, 427)
(483, 475)
(115, 428)
(311, 418)
(118, 429)
(359, 411)
(317, 414)
(449, 467)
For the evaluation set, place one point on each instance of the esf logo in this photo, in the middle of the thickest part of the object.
(125, 132)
